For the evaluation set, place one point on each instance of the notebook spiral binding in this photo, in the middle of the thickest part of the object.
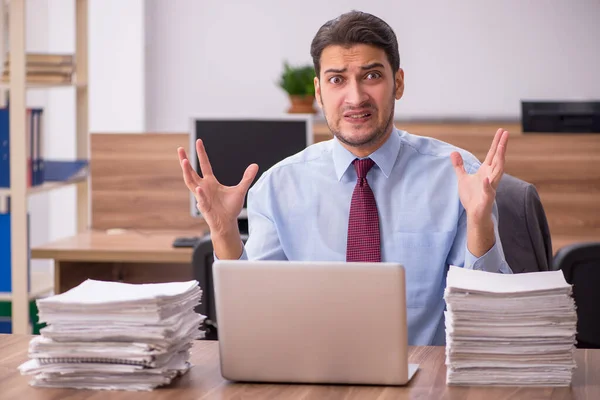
(95, 360)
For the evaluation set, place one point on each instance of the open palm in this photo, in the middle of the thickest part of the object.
(477, 191)
(220, 205)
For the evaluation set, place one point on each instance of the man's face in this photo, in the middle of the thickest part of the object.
(356, 90)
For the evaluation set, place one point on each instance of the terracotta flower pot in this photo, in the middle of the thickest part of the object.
(302, 104)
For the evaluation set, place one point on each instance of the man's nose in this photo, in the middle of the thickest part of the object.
(356, 94)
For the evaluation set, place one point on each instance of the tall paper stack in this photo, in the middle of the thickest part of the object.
(111, 335)
(513, 330)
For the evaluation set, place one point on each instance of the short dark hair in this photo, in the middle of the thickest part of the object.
(356, 27)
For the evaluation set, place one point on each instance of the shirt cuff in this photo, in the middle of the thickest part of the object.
(492, 261)
(244, 255)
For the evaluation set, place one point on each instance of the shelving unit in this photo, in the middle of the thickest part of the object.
(6, 86)
(18, 190)
(48, 186)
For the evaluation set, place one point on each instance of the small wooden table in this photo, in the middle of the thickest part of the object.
(133, 256)
(204, 381)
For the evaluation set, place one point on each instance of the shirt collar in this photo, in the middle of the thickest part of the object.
(384, 157)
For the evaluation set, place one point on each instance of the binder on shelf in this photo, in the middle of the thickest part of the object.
(60, 171)
(33, 139)
(30, 146)
(37, 157)
(5, 253)
(4, 149)
(6, 271)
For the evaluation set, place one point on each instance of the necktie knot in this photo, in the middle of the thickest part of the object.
(362, 167)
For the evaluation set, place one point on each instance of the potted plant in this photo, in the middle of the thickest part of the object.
(298, 82)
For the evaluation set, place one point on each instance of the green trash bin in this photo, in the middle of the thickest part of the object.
(6, 314)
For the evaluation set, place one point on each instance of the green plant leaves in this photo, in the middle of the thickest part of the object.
(298, 80)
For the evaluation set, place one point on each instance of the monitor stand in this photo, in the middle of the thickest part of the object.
(243, 226)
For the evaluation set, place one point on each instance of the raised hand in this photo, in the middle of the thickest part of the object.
(220, 205)
(478, 191)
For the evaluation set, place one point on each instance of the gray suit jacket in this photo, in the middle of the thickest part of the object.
(523, 226)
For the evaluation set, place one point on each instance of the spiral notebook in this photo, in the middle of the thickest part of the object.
(48, 351)
(104, 376)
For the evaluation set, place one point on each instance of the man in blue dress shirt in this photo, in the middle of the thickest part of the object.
(435, 203)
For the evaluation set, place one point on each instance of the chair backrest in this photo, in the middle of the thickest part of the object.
(202, 261)
(580, 264)
(522, 226)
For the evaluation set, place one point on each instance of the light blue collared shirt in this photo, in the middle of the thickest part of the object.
(298, 210)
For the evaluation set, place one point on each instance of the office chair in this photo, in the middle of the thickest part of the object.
(580, 263)
(522, 226)
(202, 261)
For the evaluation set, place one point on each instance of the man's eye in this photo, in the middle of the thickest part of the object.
(373, 75)
(335, 80)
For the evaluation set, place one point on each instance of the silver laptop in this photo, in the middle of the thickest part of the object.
(312, 322)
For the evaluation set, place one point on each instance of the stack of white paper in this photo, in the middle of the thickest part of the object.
(111, 335)
(509, 329)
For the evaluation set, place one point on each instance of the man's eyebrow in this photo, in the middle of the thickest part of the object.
(373, 65)
(364, 67)
(336, 71)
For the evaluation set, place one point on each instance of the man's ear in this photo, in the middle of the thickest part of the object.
(399, 78)
(318, 92)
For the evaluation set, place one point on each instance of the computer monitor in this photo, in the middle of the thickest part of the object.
(560, 116)
(232, 144)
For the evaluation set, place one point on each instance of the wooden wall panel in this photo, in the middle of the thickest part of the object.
(137, 183)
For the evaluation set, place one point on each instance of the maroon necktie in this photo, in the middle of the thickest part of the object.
(364, 242)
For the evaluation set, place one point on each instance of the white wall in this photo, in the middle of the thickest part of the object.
(465, 59)
(59, 116)
(116, 66)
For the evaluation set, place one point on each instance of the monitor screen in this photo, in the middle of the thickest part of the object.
(233, 144)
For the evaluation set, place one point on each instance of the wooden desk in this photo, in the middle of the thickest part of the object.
(133, 256)
(204, 381)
